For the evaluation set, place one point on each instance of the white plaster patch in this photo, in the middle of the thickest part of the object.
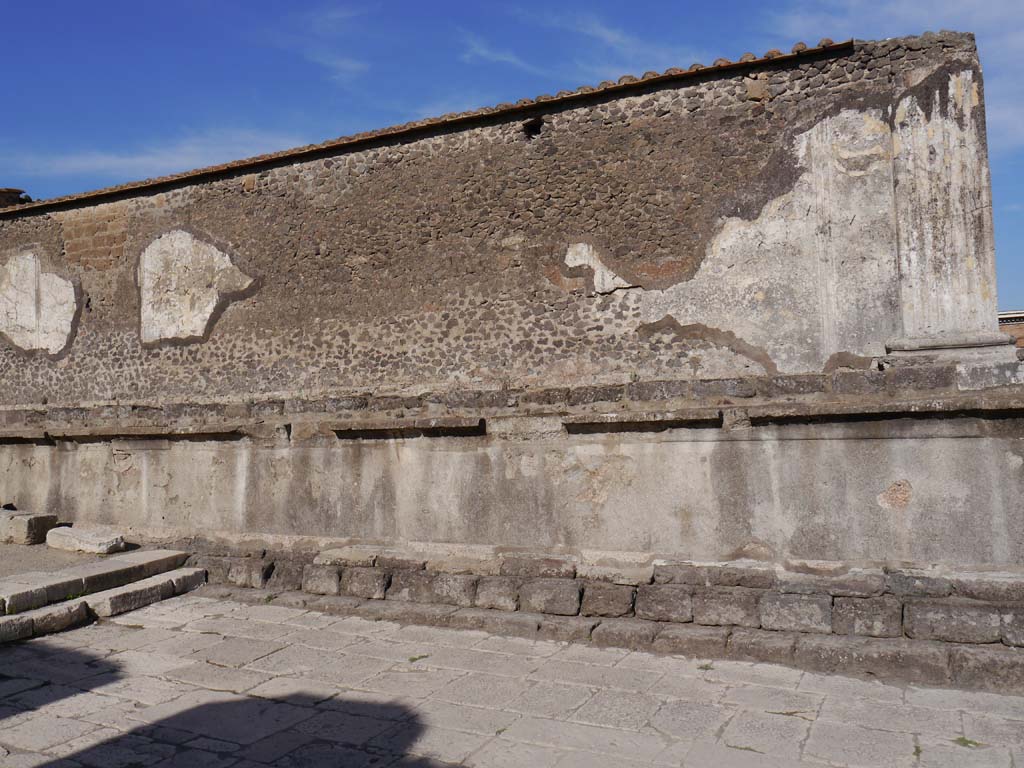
(181, 282)
(37, 308)
(584, 255)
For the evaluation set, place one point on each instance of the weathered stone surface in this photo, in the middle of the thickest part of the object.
(37, 308)
(365, 557)
(567, 629)
(557, 596)
(917, 583)
(95, 539)
(15, 628)
(990, 587)
(499, 622)
(664, 602)
(612, 600)
(249, 572)
(854, 583)
(957, 621)
(990, 668)
(760, 645)
(725, 606)
(18, 598)
(321, 579)
(142, 593)
(57, 618)
(740, 573)
(918, 661)
(635, 634)
(399, 610)
(17, 527)
(691, 640)
(1013, 625)
(538, 567)
(497, 592)
(871, 616)
(339, 605)
(182, 282)
(425, 587)
(797, 613)
(286, 576)
(368, 583)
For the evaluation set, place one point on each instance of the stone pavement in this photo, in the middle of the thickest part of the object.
(209, 683)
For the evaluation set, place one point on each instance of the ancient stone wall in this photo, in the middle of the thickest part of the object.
(747, 308)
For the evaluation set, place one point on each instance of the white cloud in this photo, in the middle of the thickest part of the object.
(339, 68)
(998, 25)
(155, 159)
(477, 48)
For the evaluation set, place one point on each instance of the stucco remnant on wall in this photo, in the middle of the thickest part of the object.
(37, 309)
(183, 281)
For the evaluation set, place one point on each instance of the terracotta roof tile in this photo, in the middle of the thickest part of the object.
(625, 83)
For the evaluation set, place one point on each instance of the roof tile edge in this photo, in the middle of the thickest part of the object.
(624, 84)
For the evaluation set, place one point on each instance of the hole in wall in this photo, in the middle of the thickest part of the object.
(398, 433)
(533, 127)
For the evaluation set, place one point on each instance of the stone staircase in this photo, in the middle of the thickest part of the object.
(34, 604)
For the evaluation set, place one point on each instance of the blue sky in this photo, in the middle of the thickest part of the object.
(101, 92)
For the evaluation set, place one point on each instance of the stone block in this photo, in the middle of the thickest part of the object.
(321, 579)
(18, 598)
(496, 622)
(94, 539)
(603, 599)
(130, 597)
(917, 583)
(635, 634)
(249, 572)
(286, 576)
(677, 573)
(692, 640)
(354, 556)
(28, 528)
(57, 618)
(557, 596)
(186, 579)
(538, 567)
(988, 668)
(854, 583)
(425, 587)
(870, 616)
(740, 573)
(15, 628)
(337, 605)
(58, 585)
(567, 629)
(497, 592)
(664, 602)
(952, 620)
(399, 560)
(1013, 626)
(367, 583)
(725, 606)
(760, 645)
(797, 613)
(990, 587)
(914, 661)
(431, 615)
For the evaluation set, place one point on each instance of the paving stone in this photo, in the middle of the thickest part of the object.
(725, 606)
(483, 690)
(348, 729)
(555, 700)
(994, 668)
(849, 687)
(691, 720)
(455, 638)
(944, 754)
(892, 716)
(236, 651)
(608, 741)
(664, 602)
(691, 640)
(625, 633)
(457, 717)
(41, 732)
(367, 583)
(853, 746)
(94, 539)
(417, 683)
(993, 729)
(870, 616)
(323, 639)
(618, 709)
(603, 599)
(766, 734)
(952, 620)
(758, 645)
(555, 596)
(217, 678)
(502, 753)
(797, 613)
(498, 593)
(321, 579)
(595, 676)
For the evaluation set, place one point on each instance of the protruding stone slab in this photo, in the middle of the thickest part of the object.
(145, 592)
(94, 539)
(17, 527)
(692, 640)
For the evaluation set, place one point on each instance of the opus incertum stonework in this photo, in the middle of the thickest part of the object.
(743, 312)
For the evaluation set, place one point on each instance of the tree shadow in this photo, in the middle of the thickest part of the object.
(199, 729)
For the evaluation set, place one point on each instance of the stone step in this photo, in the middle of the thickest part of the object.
(110, 602)
(28, 591)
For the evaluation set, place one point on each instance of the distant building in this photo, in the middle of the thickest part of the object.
(1013, 324)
